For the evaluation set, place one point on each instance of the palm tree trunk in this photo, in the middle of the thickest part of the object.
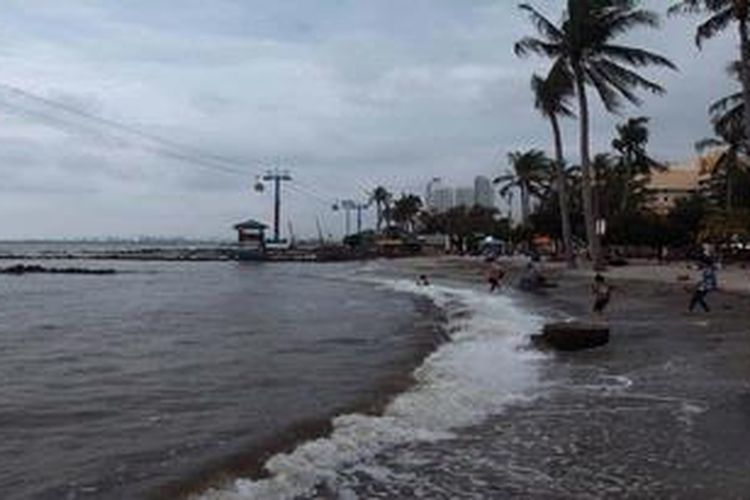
(379, 209)
(589, 214)
(525, 208)
(730, 184)
(745, 74)
(624, 202)
(562, 194)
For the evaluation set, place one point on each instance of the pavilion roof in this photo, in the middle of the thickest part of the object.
(250, 224)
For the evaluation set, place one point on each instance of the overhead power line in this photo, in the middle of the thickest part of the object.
(175, 148)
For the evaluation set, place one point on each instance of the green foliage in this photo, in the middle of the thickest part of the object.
(464, 225)
(638, 229)
(685, 220)
(382, 199)
(722, 227)
(530, 176)
(721, 14)
(405, 210)
(585, 43)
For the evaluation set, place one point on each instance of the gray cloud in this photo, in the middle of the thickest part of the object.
(349, 93)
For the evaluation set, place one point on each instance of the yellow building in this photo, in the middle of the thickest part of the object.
(680, 180)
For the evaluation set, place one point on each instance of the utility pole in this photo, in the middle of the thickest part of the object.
(348, 206)
(359, 207)
(277, 177)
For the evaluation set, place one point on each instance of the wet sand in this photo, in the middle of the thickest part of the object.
(663, 411)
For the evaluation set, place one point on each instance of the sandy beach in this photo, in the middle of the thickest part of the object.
(663, 411)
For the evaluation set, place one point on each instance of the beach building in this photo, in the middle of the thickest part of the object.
(484, 195)
(665, 188)
(679, 181)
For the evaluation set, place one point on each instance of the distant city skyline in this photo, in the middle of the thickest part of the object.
(440, 197)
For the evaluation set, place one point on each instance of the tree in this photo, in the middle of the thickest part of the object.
(382, 199)
(528, 172)
(584, 46)
(406, 209)
(633, 161)
(729, 110)
(551, 97)
(721, 14)
(729, 169)
(684, 220)
(465, 226)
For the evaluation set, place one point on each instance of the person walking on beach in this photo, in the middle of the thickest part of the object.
(706, 284)
(602, 292)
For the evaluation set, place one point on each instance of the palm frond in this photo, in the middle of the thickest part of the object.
(707, 143)
(628, 78)
(621, 20)
(714, 25)
(530, 45)
(686, 7)
(609, 97)
(635, 56)
(544, 26)
(726, 104)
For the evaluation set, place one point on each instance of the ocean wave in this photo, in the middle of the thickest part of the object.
(476, 374)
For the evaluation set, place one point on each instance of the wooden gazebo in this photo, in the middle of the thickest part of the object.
(251, 235)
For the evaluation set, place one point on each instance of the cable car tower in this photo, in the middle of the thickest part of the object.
(277, 177)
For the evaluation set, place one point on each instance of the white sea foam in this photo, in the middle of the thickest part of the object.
(474, 375)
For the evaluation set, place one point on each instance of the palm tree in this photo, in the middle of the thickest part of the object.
(728, 112)
(722, 13)
(406, 209)
(528, 173)
(584, 46)
(551, 98)
(382, 198)
(633, 162)
(729, 166)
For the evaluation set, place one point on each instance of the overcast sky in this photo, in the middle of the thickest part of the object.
(346, 94)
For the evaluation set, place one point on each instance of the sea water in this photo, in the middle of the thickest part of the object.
(479, 370)
(165, 377)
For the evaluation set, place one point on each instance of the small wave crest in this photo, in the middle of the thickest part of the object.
(465, 380)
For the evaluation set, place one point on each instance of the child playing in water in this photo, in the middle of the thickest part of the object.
(602, 294)
(494, 275)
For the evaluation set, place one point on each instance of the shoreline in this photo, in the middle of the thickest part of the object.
(250, 463)
(448, 394)
(662, 411)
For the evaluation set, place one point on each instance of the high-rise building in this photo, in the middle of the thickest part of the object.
(464, 197)
(484, 196)
(442, 199)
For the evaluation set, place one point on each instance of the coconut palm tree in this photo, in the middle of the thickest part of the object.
(585, 45)
(527, 176)
(721, 14)
(551, 98)
(728, 112)
(729, 167)
(406, 209)
(633, 162)
(382, 198)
